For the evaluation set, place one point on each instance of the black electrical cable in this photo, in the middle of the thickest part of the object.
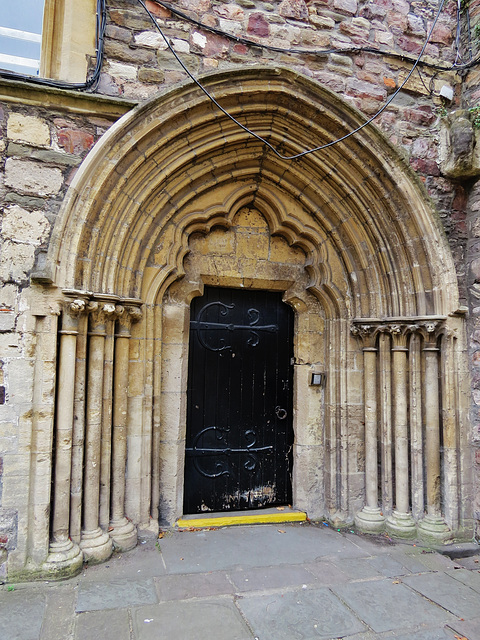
(263, 140)
(101, 23)
(315, 52)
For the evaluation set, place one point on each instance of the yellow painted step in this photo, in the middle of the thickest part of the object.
(260, 516)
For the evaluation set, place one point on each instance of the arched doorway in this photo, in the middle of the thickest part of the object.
(176, 198)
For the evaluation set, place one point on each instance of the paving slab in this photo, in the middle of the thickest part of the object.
(389, 566)
(356, 568)
(431, 561)
(197, 585)
(470, 629)
(255, 546)
(21, 616)
(258, 578)
(105, 625)
(326, 573)
(449, 593)
(302, 615)
(471, 562)
(373, 545)
(58, 623)
(410, 561)
(426, 634)
(191, 619)
(387, 606)
(144, 560)
(420, 633)
(115, 594)
(469, 578)
(412, 633)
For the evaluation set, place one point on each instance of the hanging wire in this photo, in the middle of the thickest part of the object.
(458, 56)
(318, 52)
(263, 140)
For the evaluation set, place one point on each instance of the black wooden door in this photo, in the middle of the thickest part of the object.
(240, 401)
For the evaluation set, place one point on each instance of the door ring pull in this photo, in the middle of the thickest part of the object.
(281, 413)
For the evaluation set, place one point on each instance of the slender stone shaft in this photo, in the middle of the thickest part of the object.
(432, 419)
(78, 438)
(433, 526)
(402, 502)
(119, 453)
(401, 522)
(91, 490)
(96, 544)
(370, 519)
(370, 394)
(63, 552)
(122, 531)
(64, 423)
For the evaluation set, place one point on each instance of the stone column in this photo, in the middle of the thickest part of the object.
(107, 416)
(433, 526)
(95, 544)
(400, 523)
(370, 518)
(63, 553)
(78, 438)
(122, 531)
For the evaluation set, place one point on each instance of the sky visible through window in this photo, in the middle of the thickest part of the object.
(21, 35)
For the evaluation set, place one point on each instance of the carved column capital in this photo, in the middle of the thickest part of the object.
(367, 333)
(134, 312)
(429, 330)
(71, 310)
(399, 332)
(100, 311)
(127, 314)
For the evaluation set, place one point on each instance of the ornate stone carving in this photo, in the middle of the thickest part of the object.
(134, 312)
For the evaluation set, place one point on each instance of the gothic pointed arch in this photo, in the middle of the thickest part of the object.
(174, 197)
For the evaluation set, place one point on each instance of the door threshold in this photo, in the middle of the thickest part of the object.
(257, 516)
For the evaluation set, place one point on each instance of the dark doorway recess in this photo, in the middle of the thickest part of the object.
(239, 401)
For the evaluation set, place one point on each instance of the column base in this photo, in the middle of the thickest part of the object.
(123, 534)
(433, 529)
(401, 525)
(64, 559)
(96, 546)
(370, 520)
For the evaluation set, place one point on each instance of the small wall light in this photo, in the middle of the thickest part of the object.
(317, 379)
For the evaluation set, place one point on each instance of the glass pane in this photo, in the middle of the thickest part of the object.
(26, 15)
(20, 36)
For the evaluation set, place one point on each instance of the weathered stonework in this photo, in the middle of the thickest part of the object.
(138, 213)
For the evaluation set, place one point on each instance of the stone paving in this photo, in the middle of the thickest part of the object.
(268, 582)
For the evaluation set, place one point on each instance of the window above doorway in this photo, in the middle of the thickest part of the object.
(21, 24)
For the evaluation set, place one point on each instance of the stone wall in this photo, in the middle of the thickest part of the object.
(40, 151)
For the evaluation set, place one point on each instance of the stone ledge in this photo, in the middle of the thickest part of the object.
(26, 93)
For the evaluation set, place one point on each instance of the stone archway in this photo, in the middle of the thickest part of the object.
(348, 235)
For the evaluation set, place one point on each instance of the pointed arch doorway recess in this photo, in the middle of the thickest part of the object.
(175, 198)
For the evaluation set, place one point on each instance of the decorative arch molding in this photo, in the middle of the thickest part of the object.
(158, 159)
(351, 240)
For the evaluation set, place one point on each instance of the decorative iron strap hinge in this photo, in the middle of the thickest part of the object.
(202, 325)
(222, 468)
